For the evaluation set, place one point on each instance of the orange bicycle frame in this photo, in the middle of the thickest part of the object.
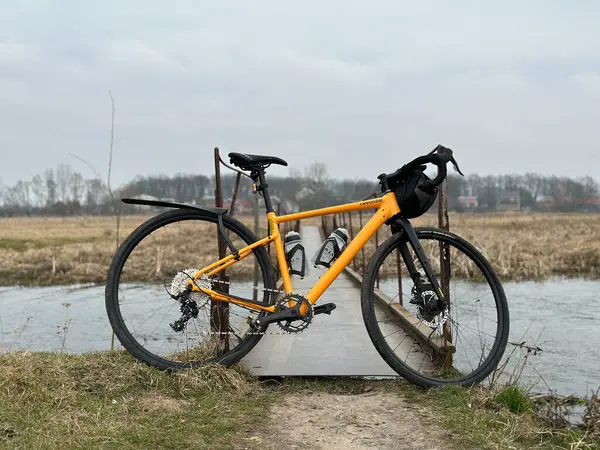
(386, 206)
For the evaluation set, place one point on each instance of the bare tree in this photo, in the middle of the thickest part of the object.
(94, 189)
(76, 186)
(50, 187)
(39, 191)
(63, 178)
(22, 194)
(316, 172)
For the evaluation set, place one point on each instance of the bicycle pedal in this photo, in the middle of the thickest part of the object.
(325, 308)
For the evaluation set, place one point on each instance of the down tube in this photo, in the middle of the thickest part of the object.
(378, 219)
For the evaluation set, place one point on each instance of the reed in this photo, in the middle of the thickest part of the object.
(53, 250)
(520, 247)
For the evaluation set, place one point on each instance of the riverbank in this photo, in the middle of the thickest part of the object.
(108, 400)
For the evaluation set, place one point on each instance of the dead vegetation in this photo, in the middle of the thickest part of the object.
(56, 250)
(107, 400)
(519, 246)
(53, 250)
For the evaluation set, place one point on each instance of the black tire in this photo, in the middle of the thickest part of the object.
(377, 337)
(128, 245)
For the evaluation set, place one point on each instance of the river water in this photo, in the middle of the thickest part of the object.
(562, 317)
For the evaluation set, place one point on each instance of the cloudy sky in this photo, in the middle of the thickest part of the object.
(362, 86)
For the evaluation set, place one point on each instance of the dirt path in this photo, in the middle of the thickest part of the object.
(372, 420)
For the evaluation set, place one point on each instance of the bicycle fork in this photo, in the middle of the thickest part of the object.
(404, 226)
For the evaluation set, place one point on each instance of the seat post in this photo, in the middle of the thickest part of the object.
(264, 188)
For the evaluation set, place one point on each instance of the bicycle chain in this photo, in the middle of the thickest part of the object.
(256, 333)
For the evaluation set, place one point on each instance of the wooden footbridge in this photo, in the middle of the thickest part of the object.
(335, 344)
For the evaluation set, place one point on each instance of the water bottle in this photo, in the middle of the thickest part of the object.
(295, 254)
(333, 246)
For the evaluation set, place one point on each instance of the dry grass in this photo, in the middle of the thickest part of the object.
(107, 400)
(520, 246)
(53, 250)
(79, 249)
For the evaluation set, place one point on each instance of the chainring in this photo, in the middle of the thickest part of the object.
(298, 325)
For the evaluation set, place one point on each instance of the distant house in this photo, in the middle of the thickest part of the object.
(508, 201)
(591, 204)
(545, 202)
(467, 202)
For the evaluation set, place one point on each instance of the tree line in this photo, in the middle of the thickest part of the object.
(63, 191)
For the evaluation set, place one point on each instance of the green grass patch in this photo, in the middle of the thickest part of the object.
(482, 419)
(514, 398)
(108, 400)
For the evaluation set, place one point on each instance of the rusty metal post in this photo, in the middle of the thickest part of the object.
(235, 193)
(219, 311)
(444, 224)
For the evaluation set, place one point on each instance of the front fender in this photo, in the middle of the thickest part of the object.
(139, 201)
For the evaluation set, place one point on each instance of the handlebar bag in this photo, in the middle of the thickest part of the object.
(412, 199)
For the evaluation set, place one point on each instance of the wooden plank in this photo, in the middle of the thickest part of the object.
(408, 321)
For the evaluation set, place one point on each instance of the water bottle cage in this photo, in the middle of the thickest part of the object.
(290, 255)
(336, 253)
(293, 240)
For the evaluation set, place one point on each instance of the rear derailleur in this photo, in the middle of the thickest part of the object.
(189, 310)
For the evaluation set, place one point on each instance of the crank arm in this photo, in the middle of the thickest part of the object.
(286, 314)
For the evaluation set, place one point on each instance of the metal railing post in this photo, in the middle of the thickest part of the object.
(219, 311)
(444, 224)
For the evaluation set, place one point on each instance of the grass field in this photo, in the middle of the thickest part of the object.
(56, 250)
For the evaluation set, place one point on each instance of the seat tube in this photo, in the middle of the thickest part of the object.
(264, 188)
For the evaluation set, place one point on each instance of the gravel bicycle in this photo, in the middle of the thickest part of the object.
(224, 306)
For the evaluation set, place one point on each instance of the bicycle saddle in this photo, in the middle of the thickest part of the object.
(249, 162)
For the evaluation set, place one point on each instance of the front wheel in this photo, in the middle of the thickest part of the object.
(427, 346)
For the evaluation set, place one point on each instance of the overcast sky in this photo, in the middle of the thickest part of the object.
(511, 86)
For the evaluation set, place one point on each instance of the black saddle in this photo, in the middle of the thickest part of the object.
(254, 162)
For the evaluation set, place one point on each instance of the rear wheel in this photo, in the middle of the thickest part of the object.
(477, 327)
(159, 256)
